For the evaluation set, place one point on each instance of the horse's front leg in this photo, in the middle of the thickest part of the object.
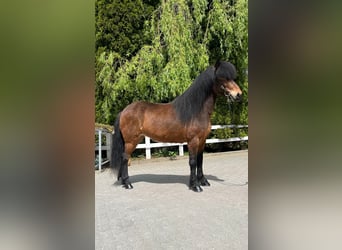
(200, 176)
(193, 184)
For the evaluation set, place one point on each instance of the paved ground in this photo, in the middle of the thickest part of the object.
(162, 213)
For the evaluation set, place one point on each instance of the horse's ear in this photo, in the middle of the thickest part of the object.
(217, 64)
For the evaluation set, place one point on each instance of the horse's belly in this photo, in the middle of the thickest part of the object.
(165, 130)
(166, 134)
(161, 124)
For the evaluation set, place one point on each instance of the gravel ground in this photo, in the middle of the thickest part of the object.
(162, 213)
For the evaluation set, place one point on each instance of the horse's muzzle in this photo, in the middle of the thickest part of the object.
(238, 98)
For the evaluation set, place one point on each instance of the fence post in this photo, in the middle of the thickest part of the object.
(108, 144)
(181, 150)
(148, 147)
(100, 150)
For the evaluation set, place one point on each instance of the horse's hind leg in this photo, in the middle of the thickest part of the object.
(200, 176)
(129, 148)
(124, 173)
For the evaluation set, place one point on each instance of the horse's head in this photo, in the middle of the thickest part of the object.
(225, 73)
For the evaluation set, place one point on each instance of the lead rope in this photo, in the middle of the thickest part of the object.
(234, 184)
(231, 111)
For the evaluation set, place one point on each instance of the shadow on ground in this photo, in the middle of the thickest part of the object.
(165, 179)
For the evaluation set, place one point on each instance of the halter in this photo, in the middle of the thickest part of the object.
(227, 94)
(230, 106)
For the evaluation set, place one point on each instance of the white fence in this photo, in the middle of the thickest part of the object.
(148, 145)
(101, 147)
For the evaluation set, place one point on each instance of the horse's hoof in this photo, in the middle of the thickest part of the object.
(127, 186)
(205, 182)
(197, 189)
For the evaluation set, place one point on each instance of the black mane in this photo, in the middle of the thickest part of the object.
(190, 103)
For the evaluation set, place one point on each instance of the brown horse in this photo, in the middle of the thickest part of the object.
(185, 119)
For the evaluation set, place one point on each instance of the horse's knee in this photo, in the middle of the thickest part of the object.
(192, 162)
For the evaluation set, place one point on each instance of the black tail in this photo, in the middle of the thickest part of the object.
(118, 148)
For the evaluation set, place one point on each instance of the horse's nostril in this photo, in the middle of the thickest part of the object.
(239, 97)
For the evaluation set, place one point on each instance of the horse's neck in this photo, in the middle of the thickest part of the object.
(209, 105)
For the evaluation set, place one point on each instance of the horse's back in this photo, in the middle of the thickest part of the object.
(137, 110)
